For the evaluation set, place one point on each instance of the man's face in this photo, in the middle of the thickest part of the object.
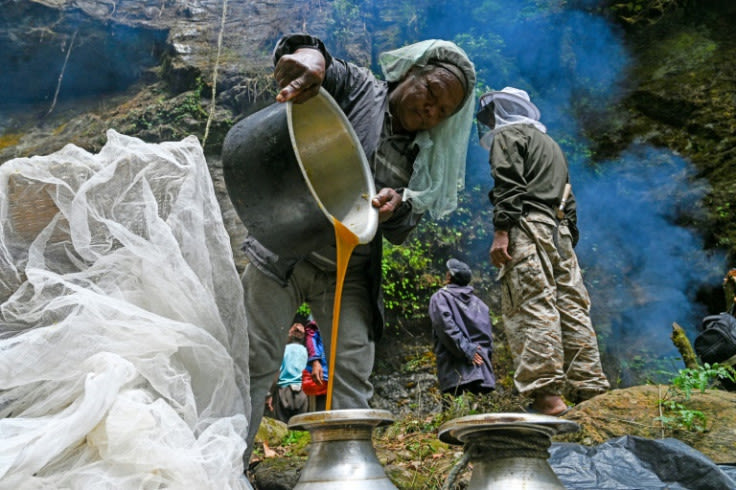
(488, 116)
(425, 98)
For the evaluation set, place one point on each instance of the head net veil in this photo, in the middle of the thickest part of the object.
(511, 106)
(439, 169)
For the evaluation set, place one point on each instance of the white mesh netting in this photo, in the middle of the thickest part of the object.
(122, 328)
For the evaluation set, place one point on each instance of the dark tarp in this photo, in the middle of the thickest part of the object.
(638, 463)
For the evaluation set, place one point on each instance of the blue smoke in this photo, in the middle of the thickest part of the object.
(648, 267)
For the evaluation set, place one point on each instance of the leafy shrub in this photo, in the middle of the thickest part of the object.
(677, 414)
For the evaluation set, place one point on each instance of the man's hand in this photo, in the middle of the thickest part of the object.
(317, 373)
(299, 75)
(269, 403)
(499, 253)
(477, 359)
(387, 201)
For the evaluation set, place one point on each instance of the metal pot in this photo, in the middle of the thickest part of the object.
(290, 169)
(341, 452)
(508, 451)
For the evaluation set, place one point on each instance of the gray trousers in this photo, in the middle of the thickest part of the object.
(270, 309)
(545, 308)
(289, 401)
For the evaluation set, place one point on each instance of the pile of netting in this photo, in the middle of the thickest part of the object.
(122, 329)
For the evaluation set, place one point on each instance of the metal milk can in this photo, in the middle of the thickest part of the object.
(508, 451)
(341, 452)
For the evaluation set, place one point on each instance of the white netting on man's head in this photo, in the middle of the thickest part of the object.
(510, 106)
(123, 346)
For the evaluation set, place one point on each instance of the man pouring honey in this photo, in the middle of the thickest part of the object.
(414, 128)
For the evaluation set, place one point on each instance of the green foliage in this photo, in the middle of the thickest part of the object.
(486, 51)
(680, 417)
(645, 11)
(191, 105)
(677, 414)
(470, 404)
(723, 210)
(296, 442)
(461, 406)
(412, 272)
(406, 282)
(701, 378)
(681, 53)
(185, 107)
(642, 366)
(304, 309)
(422, 448)
(419, 360)
(346, 18)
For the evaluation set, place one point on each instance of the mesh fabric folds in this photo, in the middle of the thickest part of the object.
(122, 327)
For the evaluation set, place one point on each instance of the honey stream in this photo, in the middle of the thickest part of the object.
(346, 241)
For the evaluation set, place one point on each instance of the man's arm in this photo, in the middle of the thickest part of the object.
(314, 351)
(509, 187)
(301, 69)
(507, 168)
(346, 82)
(300, 63)
(387, 201)
(317, 372)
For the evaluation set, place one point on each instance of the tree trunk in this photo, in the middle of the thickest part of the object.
(729, 288)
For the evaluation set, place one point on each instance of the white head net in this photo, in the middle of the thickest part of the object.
(511, 106)
(439, 169)
(123, 342)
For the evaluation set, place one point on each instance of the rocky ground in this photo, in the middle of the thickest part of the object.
(415, 458)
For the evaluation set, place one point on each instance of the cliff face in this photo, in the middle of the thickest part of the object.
(84, 55)
(73, 69)
(680, 95)
(37, 32)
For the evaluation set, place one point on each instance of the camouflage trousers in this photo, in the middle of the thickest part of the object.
(545, 308)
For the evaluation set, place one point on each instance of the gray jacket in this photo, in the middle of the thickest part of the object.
(461, 326)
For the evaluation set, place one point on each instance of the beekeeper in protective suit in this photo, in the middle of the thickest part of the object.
(544, 301)
(414, 128)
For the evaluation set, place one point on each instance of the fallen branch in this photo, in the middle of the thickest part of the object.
(214, 72)
(61, 75)
(619, 419)
(684, 346)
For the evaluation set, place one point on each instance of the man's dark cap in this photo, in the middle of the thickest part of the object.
(459, 271)
(301, 318)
